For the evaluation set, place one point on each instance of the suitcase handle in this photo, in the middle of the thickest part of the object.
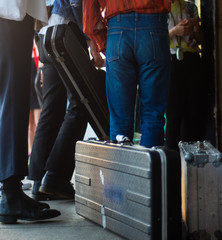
(200, 156)
(200, 147)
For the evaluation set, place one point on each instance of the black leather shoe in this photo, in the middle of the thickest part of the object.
(17, 205)
(33, 201)
(43, 205)
(40, 196)
(57, 187)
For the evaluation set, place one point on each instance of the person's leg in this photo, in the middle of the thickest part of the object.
(34, 108)
(50, 121)
(153, 59)
(34, 115)
(192, 98)
(61, 162)
(73, 128)
(138, 50)
(15, 65)
(51, 118)
(121, 78)
(37, 113)
(175, 106)
(14, 204)
(183, 110)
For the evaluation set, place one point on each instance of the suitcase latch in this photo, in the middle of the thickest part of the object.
(218, 160)
(60, 59)
(84, 101)
(198, 160)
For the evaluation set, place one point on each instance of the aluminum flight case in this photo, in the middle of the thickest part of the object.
(201, 190)
(68, 50)
(130, 190)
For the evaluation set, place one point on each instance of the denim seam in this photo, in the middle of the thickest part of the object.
(154, 49)
(125, 28)
(139, 28)
(135, 39)
(116, 57)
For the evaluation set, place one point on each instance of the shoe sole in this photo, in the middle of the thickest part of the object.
(51, 191)
(46, 197)
(42, 197)
(13, 219)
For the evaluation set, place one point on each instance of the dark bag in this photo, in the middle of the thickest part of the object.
(68, 50)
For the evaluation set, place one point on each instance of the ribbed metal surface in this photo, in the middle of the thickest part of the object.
(120, 184)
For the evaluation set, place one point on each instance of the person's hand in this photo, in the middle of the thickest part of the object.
(97, 58)
(184, 28)
(193, 21)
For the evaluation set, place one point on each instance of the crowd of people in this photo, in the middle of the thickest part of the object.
(150, 47)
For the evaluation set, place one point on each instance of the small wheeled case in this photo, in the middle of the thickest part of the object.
(201, 190)
(131, 190)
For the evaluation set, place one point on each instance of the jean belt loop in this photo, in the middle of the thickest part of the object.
(160, 17)
(118, 17)
(136, 16)
(163, 17)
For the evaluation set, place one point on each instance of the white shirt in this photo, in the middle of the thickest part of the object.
(49, 2)
(37, 10)
(17, 9)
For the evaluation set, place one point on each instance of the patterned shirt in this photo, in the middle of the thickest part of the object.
(183, 9)
(95, 23)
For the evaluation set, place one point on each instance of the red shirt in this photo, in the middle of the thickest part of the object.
(95, 26)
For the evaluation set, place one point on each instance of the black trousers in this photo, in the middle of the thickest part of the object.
(59, 126)
(184, 109)
(16, 38)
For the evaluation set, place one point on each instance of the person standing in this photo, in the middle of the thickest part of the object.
(184, 103)
(52, 160)
(134, 36)
(16, 38)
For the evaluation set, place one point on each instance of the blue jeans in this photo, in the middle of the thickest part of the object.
(138, 54)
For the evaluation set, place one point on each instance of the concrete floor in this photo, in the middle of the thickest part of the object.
(68, 226)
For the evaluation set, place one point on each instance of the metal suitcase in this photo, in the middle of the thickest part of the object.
(130, 190)
(68, 50)
(201, 190)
